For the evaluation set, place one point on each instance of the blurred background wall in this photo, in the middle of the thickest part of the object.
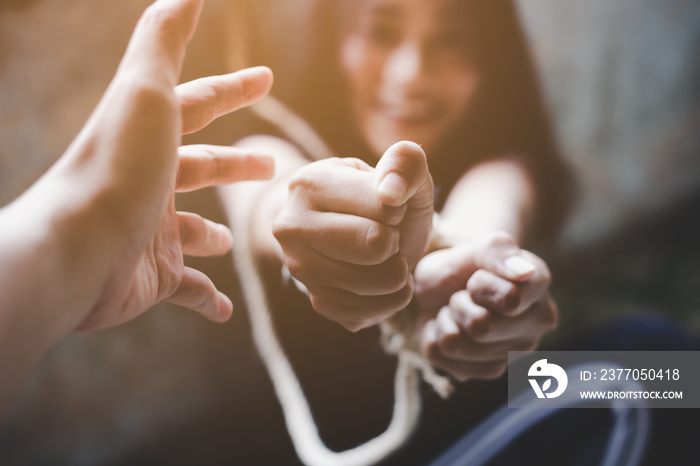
(623, 82)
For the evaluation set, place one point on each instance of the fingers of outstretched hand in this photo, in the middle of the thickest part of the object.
(197, 292)
(206, 99)
(202, 237)
(202, 166)
(344, 186)
(157, 47)
(355, 312)
(341, 237)
(402, 174)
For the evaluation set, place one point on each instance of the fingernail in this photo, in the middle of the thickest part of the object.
(393, 186)
(519, 266)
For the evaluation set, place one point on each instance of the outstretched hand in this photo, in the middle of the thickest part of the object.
(110, 198)
(479, 300)
(352, 234)
(148, 113)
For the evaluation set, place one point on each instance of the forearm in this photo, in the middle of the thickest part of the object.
(37, 307)
(494, 195)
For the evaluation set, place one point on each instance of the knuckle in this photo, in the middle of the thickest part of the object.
(509, 300)
(205, 299)
(380, 241)
(157, 16)
(456, 299)
(391, 216)
(301, 179)
(477, 330)
(397, 274)
(431, 351)
(306, 178)
(216, 166)
(339, 310)
(149, 97)
(285, 226)
(405, 295)
(493, 292)
(447, 347)
(219, 94)
(499, 239)
(297, 269)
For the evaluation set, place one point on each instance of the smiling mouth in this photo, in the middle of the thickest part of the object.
(406, 111)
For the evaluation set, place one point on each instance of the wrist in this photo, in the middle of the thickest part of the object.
(44, 248)
(445, 235)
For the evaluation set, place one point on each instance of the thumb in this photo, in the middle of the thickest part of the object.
(157, 47)
(402, 175)
(496, 252)
(499, 253)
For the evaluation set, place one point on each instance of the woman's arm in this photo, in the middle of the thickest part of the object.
(496, 195)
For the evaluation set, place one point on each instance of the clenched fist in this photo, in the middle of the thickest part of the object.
(352, 234)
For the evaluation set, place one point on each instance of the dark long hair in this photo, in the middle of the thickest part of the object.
(507, 116)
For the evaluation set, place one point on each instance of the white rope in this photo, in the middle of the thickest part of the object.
(297, 414)
(295, 407)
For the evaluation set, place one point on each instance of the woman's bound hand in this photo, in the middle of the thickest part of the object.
(479, 300)
(352, 234)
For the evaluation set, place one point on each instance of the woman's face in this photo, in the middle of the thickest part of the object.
(409, 73)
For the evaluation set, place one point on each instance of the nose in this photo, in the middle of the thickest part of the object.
(404, 66)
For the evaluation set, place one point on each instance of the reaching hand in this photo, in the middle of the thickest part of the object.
(479, 300)
(352, 233)
(112, 193)
(97, 241)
